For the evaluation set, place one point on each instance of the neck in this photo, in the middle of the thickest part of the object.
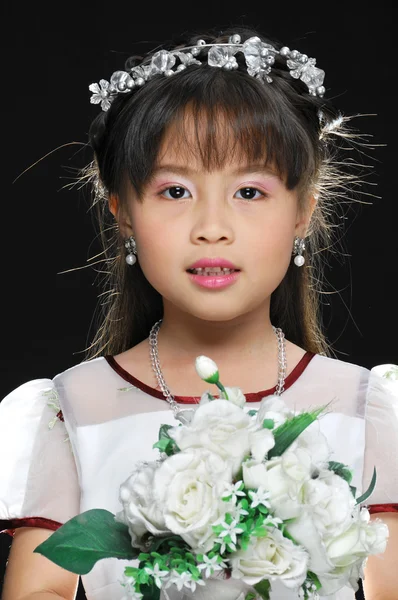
(242, 339)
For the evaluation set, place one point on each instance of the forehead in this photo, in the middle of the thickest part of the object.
(208, 141)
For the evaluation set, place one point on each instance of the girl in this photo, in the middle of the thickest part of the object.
(213, 169)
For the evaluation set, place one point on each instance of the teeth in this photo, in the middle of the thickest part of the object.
(213, 271)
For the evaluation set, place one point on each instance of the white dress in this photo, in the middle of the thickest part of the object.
(54, 465)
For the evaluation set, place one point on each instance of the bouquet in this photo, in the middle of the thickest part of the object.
(246, 499)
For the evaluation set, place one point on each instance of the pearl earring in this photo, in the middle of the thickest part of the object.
(298, 249)
(131, 247)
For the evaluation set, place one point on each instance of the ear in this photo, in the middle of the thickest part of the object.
(304, 216)
(114, 206)
(116, 209)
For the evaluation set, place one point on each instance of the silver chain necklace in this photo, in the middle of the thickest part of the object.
(153, 351)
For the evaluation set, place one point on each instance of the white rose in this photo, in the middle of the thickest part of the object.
(362, 538)
(236, 396)
(220, 427)
(140, 512)
(315, 443)
(188, 487)
(333, 582)
(254, 474)
(204, 399)
(330, 499)
(283, 478)
(261, 441)
(271, 557)
(273, 407)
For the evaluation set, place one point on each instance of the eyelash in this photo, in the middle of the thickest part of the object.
(248, 187)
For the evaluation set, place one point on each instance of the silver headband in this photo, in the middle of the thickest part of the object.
(259, 57)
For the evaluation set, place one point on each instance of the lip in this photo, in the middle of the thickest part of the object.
(213, 262)
(214, 281)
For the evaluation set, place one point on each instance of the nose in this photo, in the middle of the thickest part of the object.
(212, 221)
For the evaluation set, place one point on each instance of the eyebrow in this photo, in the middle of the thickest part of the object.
(183, 170)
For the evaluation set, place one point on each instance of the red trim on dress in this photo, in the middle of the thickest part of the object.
(250, 396)
(10, 525)
(382, 508)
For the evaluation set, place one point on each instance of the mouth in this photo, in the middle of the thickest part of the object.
(214, 272)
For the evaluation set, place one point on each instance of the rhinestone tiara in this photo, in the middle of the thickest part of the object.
(259, 58)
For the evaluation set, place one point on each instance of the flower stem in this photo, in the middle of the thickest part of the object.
(223, 390)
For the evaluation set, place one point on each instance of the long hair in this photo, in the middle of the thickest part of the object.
(279, 123)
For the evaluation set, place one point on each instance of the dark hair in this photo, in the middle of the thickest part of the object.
(279, 123)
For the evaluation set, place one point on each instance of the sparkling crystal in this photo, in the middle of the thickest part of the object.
(219, 56)
(163, 61)
(312, 76)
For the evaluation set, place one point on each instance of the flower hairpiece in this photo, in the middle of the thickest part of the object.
(259, 58)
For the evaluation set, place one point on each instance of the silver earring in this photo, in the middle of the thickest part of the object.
(131, 247)
(298, 249)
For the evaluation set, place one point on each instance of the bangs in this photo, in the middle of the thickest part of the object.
(214, 117)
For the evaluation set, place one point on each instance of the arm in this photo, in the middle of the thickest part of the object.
(381, 572)
(31, 576)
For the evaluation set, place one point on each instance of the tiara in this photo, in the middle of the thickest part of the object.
(259, 58)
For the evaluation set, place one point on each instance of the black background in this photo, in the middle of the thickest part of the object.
(50, 54)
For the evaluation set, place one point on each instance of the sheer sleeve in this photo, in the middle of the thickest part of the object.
(39, 484)
(381, 449)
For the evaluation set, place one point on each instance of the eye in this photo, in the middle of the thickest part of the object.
(176, 192)
(249, 193)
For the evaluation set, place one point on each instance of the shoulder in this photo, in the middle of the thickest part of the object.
(345, 384)
(336, 366)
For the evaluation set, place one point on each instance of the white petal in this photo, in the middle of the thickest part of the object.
(94, 87)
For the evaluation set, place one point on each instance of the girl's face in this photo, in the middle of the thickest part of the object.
(242, 213)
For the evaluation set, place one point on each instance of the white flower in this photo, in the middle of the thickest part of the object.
(205, 399)
(271, 557)
(236, 396)
(129, 584)
(273, 407)
(100, 94)
(315, 443)
(181, 580)
(233, 490)
(284, 489)
(272, 521)
(259, 497)
(188, 486)
(140, 511)
(237, 511)
(209, 565)
(261, 441)
(362, 538)
(207, 369)
(157, 574)
(231, 529)
(331, 503)
(220, 427)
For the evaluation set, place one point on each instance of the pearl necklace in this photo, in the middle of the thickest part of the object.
(153, 350)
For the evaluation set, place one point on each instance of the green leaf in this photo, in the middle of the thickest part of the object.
(158, 542)
(252, 412)
(250, 596)
(87, 538)
(340, 469)
(165, 443)
(286, 433)
(353, 490)
(370, 489)
(313, 578)
(263, 588)
(150, 591)
(268, 423)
